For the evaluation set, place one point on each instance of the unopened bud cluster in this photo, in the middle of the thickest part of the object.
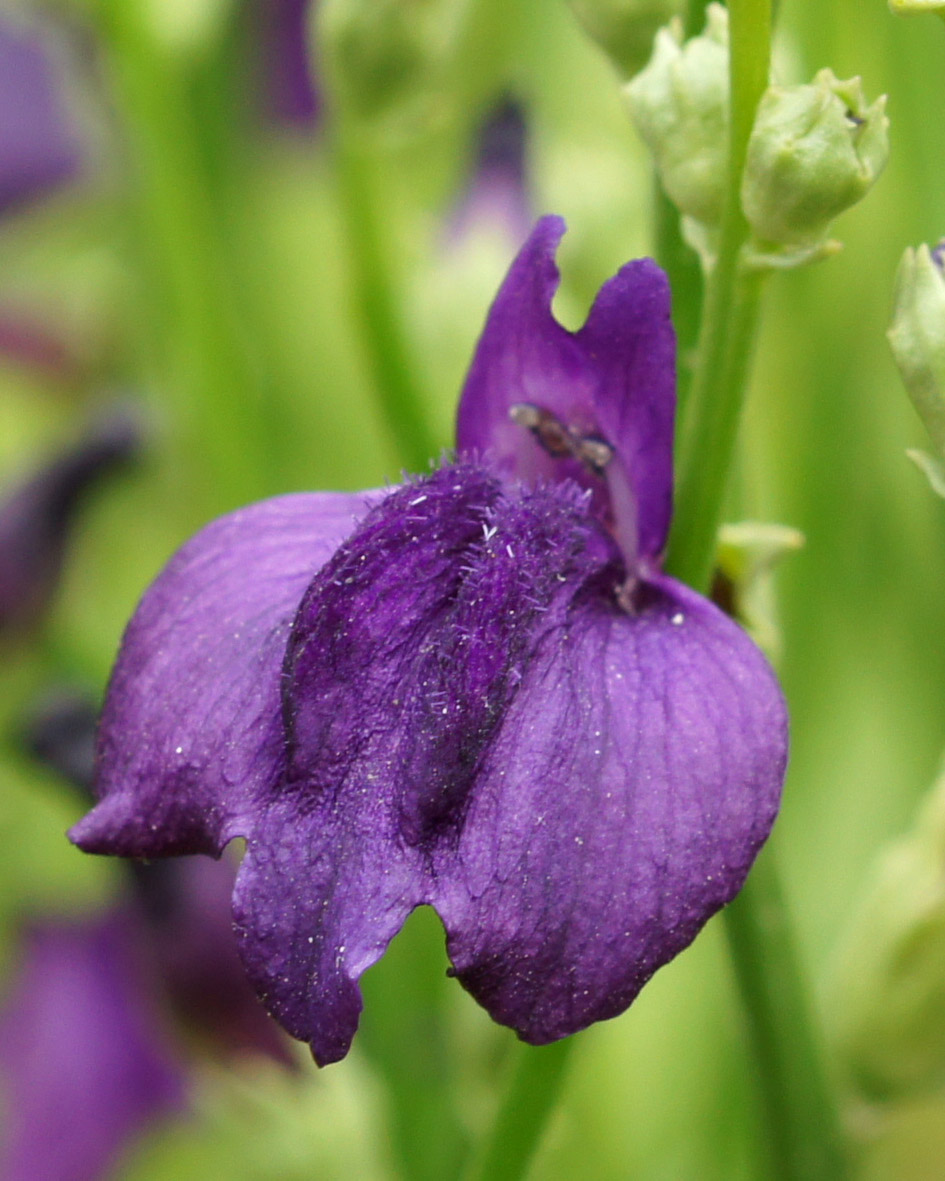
(814, 150)
(679, 104)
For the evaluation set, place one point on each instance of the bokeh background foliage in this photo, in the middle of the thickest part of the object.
(203, 266)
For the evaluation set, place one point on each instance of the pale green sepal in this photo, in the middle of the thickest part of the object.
(680, 106)
(934, 469)
(886, 1002)
(768, 257)
(703, 239)
(814, 151)
(917, 338)
(625, 29)
(747, 555)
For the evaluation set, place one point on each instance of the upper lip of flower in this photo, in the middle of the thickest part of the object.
(438, 695)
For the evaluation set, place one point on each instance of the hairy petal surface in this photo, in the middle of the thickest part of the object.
(615, 378)
(405, 654)
(192, 731)
(634, 779)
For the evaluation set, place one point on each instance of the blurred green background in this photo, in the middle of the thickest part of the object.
(203, 265)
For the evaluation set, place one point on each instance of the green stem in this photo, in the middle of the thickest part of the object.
(404, 1033)
(399, 396)
(800, 1114)
(682, 268)
(804, 1137)
(199, 342)
(709, 428)
(532, 1095)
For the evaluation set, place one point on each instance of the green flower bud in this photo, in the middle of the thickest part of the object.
(389, 59)
(917, 336)
(625, 29)
(680, 104)
(814, 151)
(887, 996)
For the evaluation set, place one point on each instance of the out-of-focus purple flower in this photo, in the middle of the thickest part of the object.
(497, 192)
(85, 1063)
(180, 908)
(36, 518)
(477, 691)
(283, 45)
(184, 905)
(38, 150)
(59, 733)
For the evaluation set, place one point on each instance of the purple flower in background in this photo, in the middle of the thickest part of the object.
(94, 1034)
(37, 149)
(84, 1060)
(179, 908)
(283, 48)
(37, 516)
(476, 691)
(498, 191)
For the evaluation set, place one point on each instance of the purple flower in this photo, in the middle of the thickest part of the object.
(85, 1063)
(37, 148)
(283, 48)
(477, 691)
(498, 191)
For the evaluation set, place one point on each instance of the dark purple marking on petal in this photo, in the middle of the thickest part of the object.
(614, 379)
(191, 731)
(635, 776)
(85, 1062)
(37, 149)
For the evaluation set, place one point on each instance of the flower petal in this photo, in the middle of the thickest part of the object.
(629, 335)
(406, 651)
(192, 728)
(614, 378)
(524, 355)
(635, 777)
